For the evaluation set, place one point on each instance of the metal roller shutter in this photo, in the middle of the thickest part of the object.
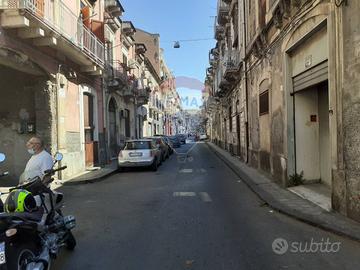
(313, 76)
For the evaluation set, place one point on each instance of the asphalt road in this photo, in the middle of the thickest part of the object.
(194, 213)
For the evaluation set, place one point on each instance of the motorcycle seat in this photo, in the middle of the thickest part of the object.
(35, 216)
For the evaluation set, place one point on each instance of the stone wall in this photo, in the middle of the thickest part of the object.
(351, 108)
(24, 101)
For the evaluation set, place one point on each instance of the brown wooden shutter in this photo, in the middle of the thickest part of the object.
(97, 27)
(85, 12)
(262, 15)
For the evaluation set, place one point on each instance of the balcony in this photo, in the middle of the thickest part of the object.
(128, 28)
(45, 25)
(128, 93)
(114, 8)
(118, 78)
(143, 96)
(219, 32)
(232, 64)
(140, 48)
(211, 104)
(223, 12)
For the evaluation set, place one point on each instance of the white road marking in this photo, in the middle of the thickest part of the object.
(184, 194)
(205, 197)
(191, 148)
(186, 171)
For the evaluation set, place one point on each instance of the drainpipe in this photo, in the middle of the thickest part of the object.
(246, 84)
(105, 124)
(57, 89)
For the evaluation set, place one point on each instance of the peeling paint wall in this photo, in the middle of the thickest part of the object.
(23, 101)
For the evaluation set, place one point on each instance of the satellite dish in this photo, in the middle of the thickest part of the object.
(177, 45)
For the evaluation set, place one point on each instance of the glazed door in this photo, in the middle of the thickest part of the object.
(89, 130)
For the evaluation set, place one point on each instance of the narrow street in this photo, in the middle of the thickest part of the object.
(191, 214)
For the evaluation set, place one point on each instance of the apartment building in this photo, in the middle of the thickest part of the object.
(52, 59)
(284, 77)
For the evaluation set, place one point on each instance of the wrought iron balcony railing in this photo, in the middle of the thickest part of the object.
(63, 21)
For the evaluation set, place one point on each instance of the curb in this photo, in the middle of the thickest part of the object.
(281, 208)
(89, 181)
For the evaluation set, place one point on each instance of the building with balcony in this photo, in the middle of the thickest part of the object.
(73, 74)
(127, 88)
(156, 117)
(52, 59)
(288, 107)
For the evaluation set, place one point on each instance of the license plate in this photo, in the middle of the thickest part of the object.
(135, 154)
(2, 253)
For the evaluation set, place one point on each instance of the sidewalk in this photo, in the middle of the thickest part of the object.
(287, 202)
(89, 176)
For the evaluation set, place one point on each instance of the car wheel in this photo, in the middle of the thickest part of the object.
(154, 166)
(70, 241)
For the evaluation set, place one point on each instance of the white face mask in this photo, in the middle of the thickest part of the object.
(31, 151)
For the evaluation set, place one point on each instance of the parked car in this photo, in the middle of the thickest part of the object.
(182, 138)
(203, 137)
(167, 142)
(175, 141)
(140, 153)
(162, 145)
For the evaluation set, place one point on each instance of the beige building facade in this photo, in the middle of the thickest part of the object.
(289, 107)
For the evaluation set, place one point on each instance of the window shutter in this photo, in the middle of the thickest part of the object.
(264, 103)
(85, 12)
(97, 27)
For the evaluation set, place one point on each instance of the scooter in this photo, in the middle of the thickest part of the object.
(30, 240)
(2, 159)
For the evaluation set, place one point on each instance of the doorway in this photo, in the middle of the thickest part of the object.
(238, 135)
(88, 104)
(312, 136)
(113, 129)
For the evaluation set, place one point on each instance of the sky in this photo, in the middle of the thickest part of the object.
(179, 20)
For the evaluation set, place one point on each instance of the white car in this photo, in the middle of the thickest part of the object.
(139, 153)
(203, 137)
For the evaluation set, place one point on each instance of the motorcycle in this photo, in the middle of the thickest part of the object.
(2, 159)
(30, 240)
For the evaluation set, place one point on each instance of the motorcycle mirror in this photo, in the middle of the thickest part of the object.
(2, 157)
(58, 156)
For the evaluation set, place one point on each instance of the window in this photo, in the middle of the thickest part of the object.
(138, 145)
(262, 12)
(230, 119)
(127, 123)
(110, 51)
(264, 102)
(125, 60)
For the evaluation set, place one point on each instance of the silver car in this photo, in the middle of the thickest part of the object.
(139, 153)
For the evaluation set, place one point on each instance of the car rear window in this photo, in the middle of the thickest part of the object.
(138, 145)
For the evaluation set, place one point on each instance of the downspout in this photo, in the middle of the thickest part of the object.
(246, 84)
(105, 124)
(57, 89)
